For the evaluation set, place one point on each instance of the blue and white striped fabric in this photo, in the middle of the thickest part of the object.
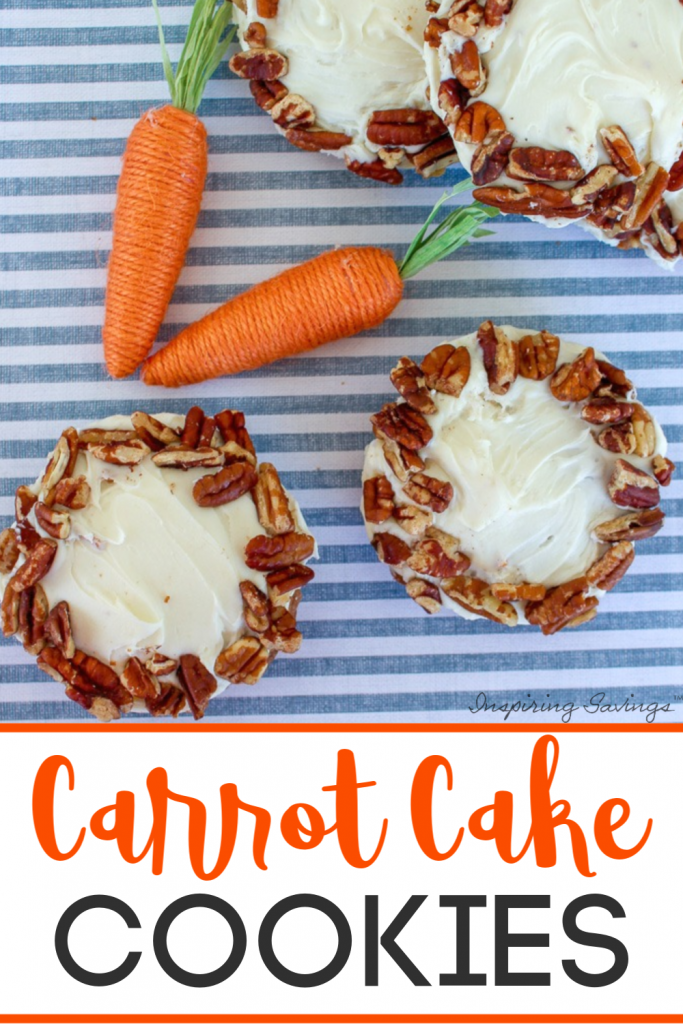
(74, 76)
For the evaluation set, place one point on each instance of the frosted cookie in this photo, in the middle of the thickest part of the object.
(569, 110)
(512, 478)
(154, 563)
(345, 78)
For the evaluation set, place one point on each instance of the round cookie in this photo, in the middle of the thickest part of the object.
(347, 79)
(512, 478)
(568, 111)
(154, 563)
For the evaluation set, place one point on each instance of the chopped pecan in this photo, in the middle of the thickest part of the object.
(447, 369)
(606, 410)
(197, 682)
(475, 596)
(267, 8)
(267, 553)
(264, 65)
(317, 140)
(467, 67)
(500, 355)
(644, 432)
(437, 555)
(619, 439)
(376, 170)
(267, 94)
(139, 681)
(412, 519)
(155, 434)
(272, 503)
(663, 470)
(179, 457)
(538, 355)
(608, 570)
(72, 492)
(281, 633)
(435, 158)
(233, 452)
(33, 611)
(589, 188)
(613, 382)
(402, 461)
(391, 157)
(256, 607)
(429, 491)
(245, 661)
(37, 565)
(409, 381)
(58, 629)
(495, 11)
(255, 35)
(650, 188)
(9, 550)
(518, 591)
(532, 163)
(578, 380)
(631, 487)
(169, 701)
(284, 581)
(120, 453)
(378, 499)
(402, 424)
(633, 526)
(404, 127)
(478, 122)
(434, 31)
(426, 594)
(24, 500)
(160, 664)
(9, 611)
(675, 182)
(55, 524)
(562, 606)
(452, 100)
(613, 202)
(620, 151)
(227, 485)
(464, 17)
(491, 158)
(293, 111)
(56, 466)
(192, 429)
(390, 549)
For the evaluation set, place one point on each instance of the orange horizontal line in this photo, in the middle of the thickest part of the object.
(360, 727)
(345, 1018)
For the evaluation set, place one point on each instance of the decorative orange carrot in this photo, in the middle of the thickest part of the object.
(332, 296)
(159, 194)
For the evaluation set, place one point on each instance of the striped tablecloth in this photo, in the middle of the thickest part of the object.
(74, 76)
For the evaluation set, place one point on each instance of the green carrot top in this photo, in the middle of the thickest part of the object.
(206, 43)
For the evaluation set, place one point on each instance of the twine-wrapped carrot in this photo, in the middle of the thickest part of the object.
(333, 296)
(159, 194)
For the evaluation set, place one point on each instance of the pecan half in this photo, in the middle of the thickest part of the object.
(467, 67)
(57, 465)
(589, 188)
(435, 158)
(272, 503)
(180, 457)
(650, 188)
(613, 382)
(620, 151)
(256, 607)
(402, 424)
(139, 681)
(437, 555)
(197, 682)
(426, 594)
(532, 163)
(160, 664)
(264, 65)
(606, 410)
(378, 499)
(100, 436)
(192, 428)
(478, 122)
(663, 236)
(120, 453)
(663, 470)
(72, 492)
(316, 140)
(452, 101)
(409, 381)
(24, 500)
(633, 526)
(58, 629)
(390, 549)
(37, 565)
(608, 570)
(169, 701)
(611, 203)
(55, 524)
(209, 434)
(293, 111)
(538, 355)
(434, 31)
(412, 519)
(518, 591)
(495, 11)
(464, 17)
(376, 170)
(402, 461)
(500, 355)
(233, 452)
(227, 485)
(562, 606)
(255, 35)
(284, 581)
(491, 158)
(281, 633)
(245, 661)
(429, 491)
(447, 369)
(404, 127)
(644, 432)
(9, 611)
(620, 439)
(27, 537)
(89, 682)
(267, 553)
(9, 550)
(475, 596)
(267, 94)
(675, 182)
(153, 432)
(631, 487)
(33, 611)
(578, 380)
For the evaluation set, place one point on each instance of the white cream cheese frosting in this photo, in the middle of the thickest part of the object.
(529, 479)
(349, 59)
(145, 568)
